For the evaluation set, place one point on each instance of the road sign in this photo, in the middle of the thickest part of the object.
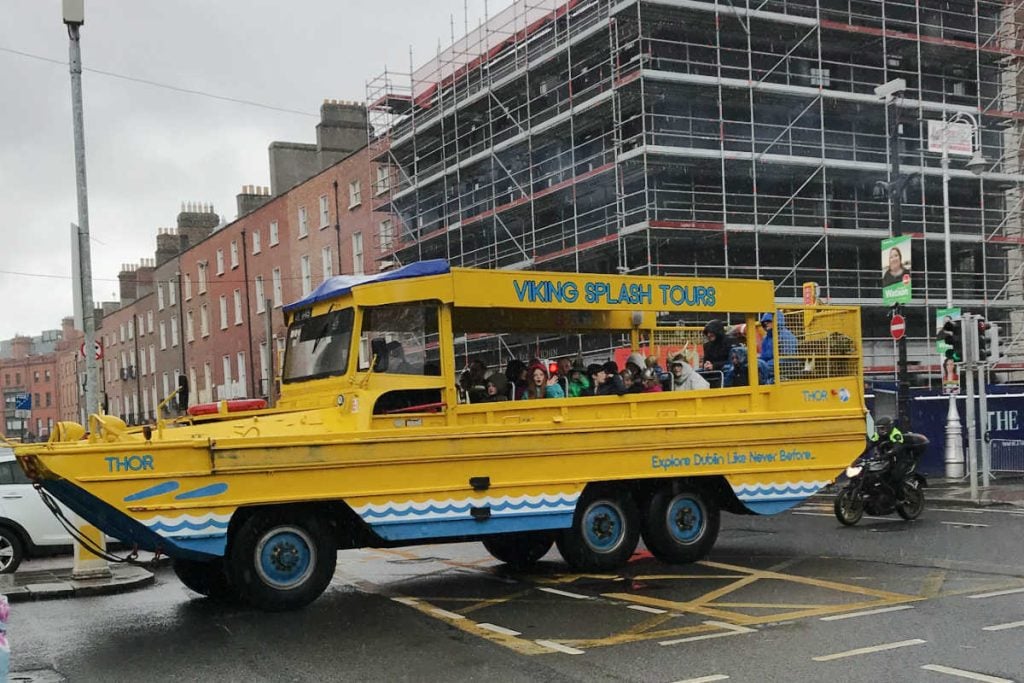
(23, 401)
(897, 326)
(96, 345)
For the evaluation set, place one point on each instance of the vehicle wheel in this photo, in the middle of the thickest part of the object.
(914, 506)
(12, 552)
(681, 527)
(848, 507)
(519, 551)
(209, 579)
(281, 560)
(604, 532)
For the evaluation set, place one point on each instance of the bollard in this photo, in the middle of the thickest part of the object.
(88, 565)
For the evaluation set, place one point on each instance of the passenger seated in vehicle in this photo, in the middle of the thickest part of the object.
(650, 381)
(716, 346)
(396, 359)
(516, 373)
(473, 380)
(541, 385)
(608, 382)
(787, 345)
(496, 389)
(635, 366)
(579, 383)
(736, 374)
(684, 377)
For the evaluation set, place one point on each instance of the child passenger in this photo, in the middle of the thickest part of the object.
(541, 385)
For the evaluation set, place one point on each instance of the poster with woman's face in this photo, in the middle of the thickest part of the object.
(896, 266)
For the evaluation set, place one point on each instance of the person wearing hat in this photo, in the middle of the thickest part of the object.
(607, 381)
(716, 346)
(635, 364)
(650, 381)
(684, 377)
(579, 384)
(787, 341)
(541, 384)
(496, 388)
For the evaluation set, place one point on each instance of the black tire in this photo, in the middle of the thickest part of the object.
(604, 532)
(914, 506)
(848, 508)
(209, 579)
(280, 560)
(681, 527)
(519, 551)
(12, 551)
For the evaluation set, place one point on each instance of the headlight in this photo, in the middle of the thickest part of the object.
(853, 471)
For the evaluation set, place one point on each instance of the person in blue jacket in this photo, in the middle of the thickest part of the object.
(787, 341)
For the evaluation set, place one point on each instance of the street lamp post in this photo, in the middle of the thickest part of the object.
(953, 455)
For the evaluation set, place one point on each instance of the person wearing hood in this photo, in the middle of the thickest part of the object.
(716, 346)
(541, 384)
(736, 374)
(579, 384)
(635, 364)
(496, 388)
(684, 377)
(787, 340)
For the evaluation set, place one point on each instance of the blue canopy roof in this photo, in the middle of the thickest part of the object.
(343, 284)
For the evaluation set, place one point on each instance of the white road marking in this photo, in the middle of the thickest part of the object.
(966, 511)
(729, 630)
(825, 514)
(706, 679)
(960, 673)
(406, 601)
(558, 647)
(499, 629)
(869, 650)
(645, 608)
(865, 613)
(1003, 627)
(566, 594)
(446, 614)
(963, 524)
(995, 594)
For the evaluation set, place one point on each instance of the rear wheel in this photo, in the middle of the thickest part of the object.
(209, 579)
(914, 505)
(12, 551)
(604, 532)
(848, 506)
(281, 560)
(520, 551)
(681, 526)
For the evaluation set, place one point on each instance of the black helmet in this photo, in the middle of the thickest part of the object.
(883, 426)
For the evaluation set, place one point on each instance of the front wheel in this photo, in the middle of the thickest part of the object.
(604, 532)
(519, 551)
(282, 560)
(12, 552)
(914, 505)
(848, 506)
(681, 526)
(209, 579)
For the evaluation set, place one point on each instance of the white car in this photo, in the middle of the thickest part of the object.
(27, 527)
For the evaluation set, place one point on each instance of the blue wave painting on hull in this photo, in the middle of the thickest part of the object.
(203, 492)
(458, 509)
(185, 524)
(152, 491)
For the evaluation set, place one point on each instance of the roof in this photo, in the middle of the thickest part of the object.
(343, 284)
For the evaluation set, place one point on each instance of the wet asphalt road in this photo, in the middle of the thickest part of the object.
(789, 598)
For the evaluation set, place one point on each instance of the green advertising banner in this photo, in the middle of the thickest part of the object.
(896, 270)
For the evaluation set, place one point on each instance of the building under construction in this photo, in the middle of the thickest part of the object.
(735, 138)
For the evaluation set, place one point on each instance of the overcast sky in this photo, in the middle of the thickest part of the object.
(148, 148)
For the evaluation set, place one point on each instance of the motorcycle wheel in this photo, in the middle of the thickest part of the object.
(848, 507)
(914, 506)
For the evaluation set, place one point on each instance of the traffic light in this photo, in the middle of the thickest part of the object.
(984, 341)
(952, 335)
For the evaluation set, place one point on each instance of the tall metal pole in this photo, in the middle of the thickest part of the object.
(88, 317)
(896, 201)
(970, 352)
(953, 455)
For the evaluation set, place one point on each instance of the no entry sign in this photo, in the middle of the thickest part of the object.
(897, 327)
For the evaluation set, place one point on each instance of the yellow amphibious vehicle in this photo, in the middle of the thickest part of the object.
(375, 443)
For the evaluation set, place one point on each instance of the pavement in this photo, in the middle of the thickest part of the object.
(1006, 489)
(50, 578)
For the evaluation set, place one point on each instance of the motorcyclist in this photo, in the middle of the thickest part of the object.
(889, 440)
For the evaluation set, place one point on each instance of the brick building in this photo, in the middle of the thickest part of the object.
(26, 371)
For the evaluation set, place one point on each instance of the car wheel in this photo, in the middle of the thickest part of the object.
(681, 526)
(604, 532)
(12, 551)
(281, 560)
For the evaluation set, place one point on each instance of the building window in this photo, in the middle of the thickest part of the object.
(327, 261)
(188, 288)
(273, 233)
(171, 294)
(387, 235)
(303, 222)
(261, 304)
(220, 262)
(152, 358)
(234, 254)
(122, 330)
(163, 335)
(357, 253)
(227, 376)
(242, 374)
(131, 335)
(223, 312)
(202, 277)
(174, 331)
(238, 307)
(189, 327)
(383, 179)
(307, 276)
(46, 375)
(160, 296)
(276, 282)
(325, 215)
(355, 194)
(166, 381)
(142, 362)
(204, 321)
(256, 246)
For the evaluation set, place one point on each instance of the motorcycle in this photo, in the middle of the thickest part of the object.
(870, 487)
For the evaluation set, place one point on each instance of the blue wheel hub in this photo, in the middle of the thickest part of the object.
(685, 519)
(285, 557)
(604, 526)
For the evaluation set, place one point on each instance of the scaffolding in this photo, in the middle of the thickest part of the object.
(731, 138)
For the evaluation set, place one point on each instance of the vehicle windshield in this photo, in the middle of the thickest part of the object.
(318, 346)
